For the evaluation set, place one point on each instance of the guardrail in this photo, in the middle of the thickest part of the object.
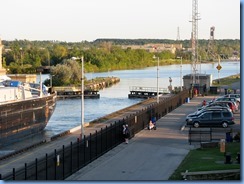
(63, 162)
(149, 89)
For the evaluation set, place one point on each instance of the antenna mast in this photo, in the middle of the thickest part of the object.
(194, 39)
(178, 34)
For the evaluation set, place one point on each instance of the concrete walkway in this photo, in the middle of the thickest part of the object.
(150, 156)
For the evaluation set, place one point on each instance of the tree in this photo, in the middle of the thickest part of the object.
(68, 73)
(58, 53)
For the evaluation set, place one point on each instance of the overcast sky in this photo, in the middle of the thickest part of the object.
(78, 20)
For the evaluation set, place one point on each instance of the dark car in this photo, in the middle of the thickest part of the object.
(200, 111)
(212, 118)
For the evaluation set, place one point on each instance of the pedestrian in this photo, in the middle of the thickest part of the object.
(126, 133)
(154, 122)
(204, 103)
(150, 126)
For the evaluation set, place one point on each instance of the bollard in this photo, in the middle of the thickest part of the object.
(228, 158)
(228, 137)
(238, 158)
(222, 145)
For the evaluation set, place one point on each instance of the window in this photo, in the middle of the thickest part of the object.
(226, 114)
(206, 116)
(216, 115)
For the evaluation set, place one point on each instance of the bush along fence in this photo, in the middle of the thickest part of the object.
(64, 162)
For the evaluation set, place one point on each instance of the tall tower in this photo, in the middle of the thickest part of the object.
(210, 50)
(178, 34)
(1, 48)
(2, 70)
(194, 39)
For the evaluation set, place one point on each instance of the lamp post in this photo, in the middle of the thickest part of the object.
(82, 94)
(51, 80)
(170, 85)
(40, 70)
(180, 72)
(200, 64)
(154, 57)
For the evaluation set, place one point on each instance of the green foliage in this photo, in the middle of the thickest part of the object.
(23, 56)
(68, 73)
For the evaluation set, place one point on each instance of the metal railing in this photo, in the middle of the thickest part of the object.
(149, 89)
(211, 134)
(68, 160)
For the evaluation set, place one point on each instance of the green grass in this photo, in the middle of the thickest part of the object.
(207, 159)
(227, 80)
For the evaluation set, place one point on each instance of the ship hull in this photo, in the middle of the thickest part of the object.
(24, 118)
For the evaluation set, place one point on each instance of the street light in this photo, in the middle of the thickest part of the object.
(180, 72)
(51, 80)
(154, 57)
(82, 94)
(40, 70)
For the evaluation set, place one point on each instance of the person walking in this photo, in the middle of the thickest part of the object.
(126, 133)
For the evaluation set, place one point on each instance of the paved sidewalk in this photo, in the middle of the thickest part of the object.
(150, 155)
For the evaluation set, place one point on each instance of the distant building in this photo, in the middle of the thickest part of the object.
(155, 47)
(204, 81)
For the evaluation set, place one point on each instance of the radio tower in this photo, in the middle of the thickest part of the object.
(194, 39)
(178, 34)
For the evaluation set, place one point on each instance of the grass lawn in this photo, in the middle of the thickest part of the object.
(208, 159)
(227, 80)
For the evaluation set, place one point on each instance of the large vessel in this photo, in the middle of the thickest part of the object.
(22, 112)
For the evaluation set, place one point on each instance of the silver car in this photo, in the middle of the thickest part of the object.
(237, 96)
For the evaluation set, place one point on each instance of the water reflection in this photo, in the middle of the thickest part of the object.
(68, 112)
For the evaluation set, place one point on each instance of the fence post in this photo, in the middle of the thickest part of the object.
(111, 136)
(71, 157)
(36, 169)
(96, 144)
(115, 135)
(78, 153)
(200, 136)
(90, 149)
(101, 140)
(189, 136)
(63, 164)
(46, 166)
(210, 134)
(25, 171)
(84, 155)
(106, 134)
(13, 173)
(55, 164)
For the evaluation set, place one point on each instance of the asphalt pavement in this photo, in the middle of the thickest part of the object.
(152, 155)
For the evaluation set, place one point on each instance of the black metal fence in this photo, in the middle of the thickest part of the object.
(68, 160)
(211, 134)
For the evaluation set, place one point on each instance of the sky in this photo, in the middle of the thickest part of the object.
(80, 20)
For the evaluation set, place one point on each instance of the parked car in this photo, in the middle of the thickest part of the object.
(233, 99)
(233, 106)
(212, 118)
(197, 113)
(237, 96)
(214, 105)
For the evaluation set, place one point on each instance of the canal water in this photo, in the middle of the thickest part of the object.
(67, 114)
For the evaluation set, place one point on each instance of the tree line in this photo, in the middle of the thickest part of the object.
(24, 56)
